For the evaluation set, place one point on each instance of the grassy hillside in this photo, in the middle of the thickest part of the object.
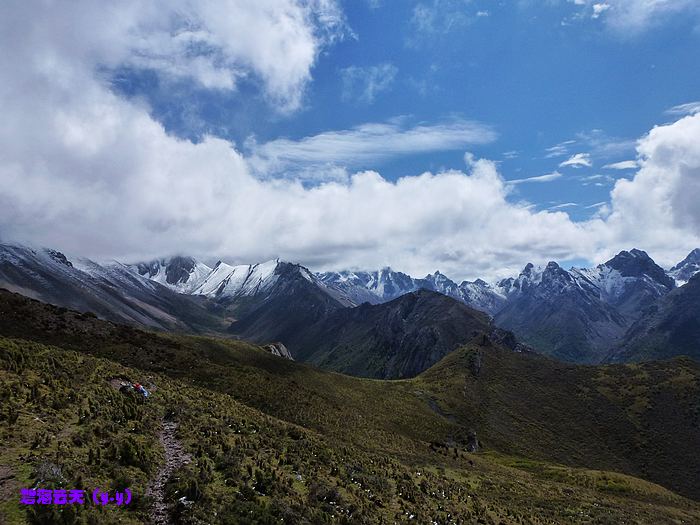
(643, 419)
(276, 440)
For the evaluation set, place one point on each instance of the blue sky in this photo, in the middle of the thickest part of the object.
(469, 136)
(539, 76)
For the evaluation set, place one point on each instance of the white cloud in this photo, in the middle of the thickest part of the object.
(559, 150)
(89, 172)
(216, 43)
(563, 205)
(596, 205)
(365, 145)
(440, 17)
(623, 165)
(691, 108)
(658, 208)
(540, 178)
(363, 84)
(578, 160)
(599, 9)
(634, 16)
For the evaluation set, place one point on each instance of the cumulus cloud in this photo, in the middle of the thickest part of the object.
(216, 43)
(363, 84)
(658, 208)
(89, 172)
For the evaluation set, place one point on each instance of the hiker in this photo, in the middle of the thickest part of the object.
(141, 389)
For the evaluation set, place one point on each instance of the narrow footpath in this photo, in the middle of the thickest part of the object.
(175, 457)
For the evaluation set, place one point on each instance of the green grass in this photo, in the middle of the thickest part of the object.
(277, 441)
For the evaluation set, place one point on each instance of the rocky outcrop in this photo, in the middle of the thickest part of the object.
(279, 350)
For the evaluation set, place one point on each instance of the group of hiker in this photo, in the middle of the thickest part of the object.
(138, 388)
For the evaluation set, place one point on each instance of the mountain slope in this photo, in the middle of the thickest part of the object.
(182, 274)
(402, 442)
(110, 291)
(632, 282)
(684, 270)
(289, 301)
(550, 311)
(397, 339)
(670, 328)
(527, 405)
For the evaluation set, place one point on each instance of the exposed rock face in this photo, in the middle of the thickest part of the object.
(58, 256)
(279, 350)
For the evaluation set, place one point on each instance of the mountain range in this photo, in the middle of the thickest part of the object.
(379, 324)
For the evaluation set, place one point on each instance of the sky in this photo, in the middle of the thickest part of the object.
(469, 136)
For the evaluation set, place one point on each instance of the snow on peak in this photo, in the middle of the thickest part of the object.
(687, 268)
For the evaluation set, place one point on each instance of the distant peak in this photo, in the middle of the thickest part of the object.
(639, 253)
(529, 270)
(551, 265)
(625, 255)
(692, 258)
(635, 263)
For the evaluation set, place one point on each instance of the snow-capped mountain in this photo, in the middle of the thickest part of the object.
(574, 314)
(549, 309)
(369, 287)
(530, 277)
(684, 270)
(386, 285)
(226, 281)
(630, 281)
(112, 291)
(186, 275)
(182, 274)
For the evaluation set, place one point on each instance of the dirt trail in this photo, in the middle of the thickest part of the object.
(175, 457)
